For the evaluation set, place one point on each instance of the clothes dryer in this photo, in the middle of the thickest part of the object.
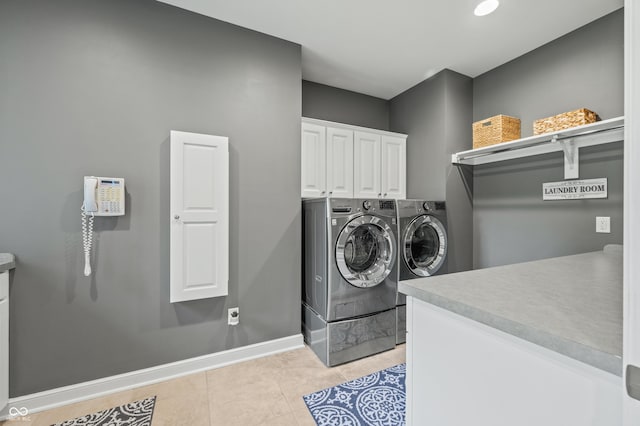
(350, 277)
(423, 246)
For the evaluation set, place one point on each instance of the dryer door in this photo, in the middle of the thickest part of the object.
(425, 245)
(365, 252)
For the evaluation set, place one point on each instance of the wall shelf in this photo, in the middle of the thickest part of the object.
(569, 141)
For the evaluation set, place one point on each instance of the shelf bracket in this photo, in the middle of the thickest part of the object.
(571, 157)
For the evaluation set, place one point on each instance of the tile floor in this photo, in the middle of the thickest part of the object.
(265, 391)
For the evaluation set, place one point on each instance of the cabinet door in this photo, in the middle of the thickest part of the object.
(4, 339)
(394, 166)
(314, 159)
(499, 379)
(199, 226)
(366, 179)
(339, 163)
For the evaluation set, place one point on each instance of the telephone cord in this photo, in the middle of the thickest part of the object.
(87, 240)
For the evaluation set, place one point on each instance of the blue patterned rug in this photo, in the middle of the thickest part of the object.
(374, 400)
(138, 413)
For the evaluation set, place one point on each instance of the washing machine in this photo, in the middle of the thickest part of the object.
(423, 247)
(350, 277)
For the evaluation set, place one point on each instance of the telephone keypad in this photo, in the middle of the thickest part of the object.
(110, 195)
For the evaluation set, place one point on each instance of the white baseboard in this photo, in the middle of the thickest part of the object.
(87, 390)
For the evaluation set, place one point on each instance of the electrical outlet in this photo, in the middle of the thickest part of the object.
(603, 224)
(233, 317)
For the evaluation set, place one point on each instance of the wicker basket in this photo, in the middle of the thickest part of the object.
(563, 121)
(493, 130)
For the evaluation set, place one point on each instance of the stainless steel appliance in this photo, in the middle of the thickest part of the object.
(423, 247)
(349, 277)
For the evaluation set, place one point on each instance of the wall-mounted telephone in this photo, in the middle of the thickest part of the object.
(103, 196)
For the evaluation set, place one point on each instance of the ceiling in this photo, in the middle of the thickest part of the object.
(382, 47)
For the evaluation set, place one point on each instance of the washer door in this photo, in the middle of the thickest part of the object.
(365, 252)
(425, 245)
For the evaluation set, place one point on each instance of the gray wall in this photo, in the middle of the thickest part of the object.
(94, 87)
(511, 223)
(583, 69)
(343, 106)
(436, 114)
(419, 112)
(459, 180)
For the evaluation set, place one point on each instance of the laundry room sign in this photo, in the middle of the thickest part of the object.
(575, 189)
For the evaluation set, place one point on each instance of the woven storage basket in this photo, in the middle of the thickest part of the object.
(563, 121)
(493, 130)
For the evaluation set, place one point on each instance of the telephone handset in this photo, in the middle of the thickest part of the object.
(103, 196)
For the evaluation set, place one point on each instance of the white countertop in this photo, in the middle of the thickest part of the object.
(7, 261)
(570, 304)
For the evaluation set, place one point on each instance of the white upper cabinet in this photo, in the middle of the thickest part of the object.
(367, 151)
(339, 163)
(343, 161)
(314, 148)
(394, 166)
(327, 161)
(380, 166)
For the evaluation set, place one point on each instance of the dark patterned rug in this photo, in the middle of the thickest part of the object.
(138, 413)
(374, 400)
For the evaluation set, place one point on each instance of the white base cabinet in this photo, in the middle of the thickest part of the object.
(461, 372)
(344, 161)
(4, 339)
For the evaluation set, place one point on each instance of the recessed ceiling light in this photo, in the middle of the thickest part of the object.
(486, 7)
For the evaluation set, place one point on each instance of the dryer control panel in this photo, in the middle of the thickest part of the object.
(387, 205)
(433, 206)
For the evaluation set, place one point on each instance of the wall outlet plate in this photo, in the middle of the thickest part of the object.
(233, 316)
(603, 224)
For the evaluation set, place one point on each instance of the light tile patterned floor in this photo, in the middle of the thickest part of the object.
(265, 391)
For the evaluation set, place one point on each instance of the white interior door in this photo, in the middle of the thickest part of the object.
(314, 158)
(199, 252)
(631, 347)
(367, 165)
(394, 166)
(339, 163)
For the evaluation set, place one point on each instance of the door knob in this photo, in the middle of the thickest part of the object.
(176, 217)
(385, 194)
